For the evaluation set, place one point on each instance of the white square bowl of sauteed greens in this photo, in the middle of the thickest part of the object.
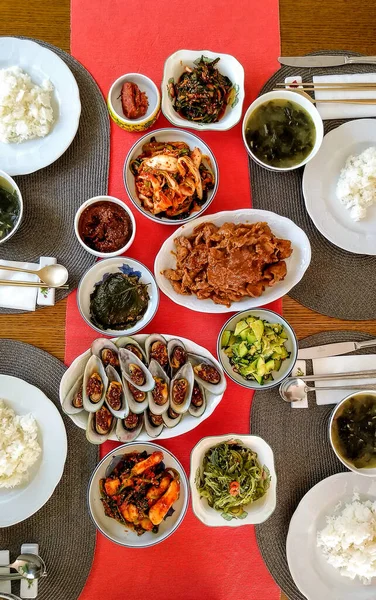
(257, 348)
(203, 90)
(233, 480)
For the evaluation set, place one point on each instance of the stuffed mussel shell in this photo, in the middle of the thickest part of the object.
(130, 428)
(106, 351)
(94, 385)
(197, 406)
(171, 418)
(156, 348)
(134, 371)
(73, 401)
(177, 355)
(208, 374)
(133, 346)
(153, 423)
(136, 399)
(181, 389)
(158, 398)
(100, 425)
(115, 399)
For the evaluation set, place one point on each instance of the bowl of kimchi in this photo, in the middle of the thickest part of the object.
(145, 518)
(171, 176)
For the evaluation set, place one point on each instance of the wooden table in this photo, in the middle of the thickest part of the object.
(306, 25)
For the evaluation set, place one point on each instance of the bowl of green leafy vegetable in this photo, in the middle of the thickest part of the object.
(233, 480)
(257, 348)
(11, 207)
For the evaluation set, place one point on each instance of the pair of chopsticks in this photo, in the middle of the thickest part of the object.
(38, 284)
(334, 87)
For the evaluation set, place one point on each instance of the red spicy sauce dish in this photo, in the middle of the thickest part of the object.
(134, 102)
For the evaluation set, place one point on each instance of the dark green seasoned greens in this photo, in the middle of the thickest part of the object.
(230, 478)
(118, 302)
(9, 210)
(280, 133)
(202, 93)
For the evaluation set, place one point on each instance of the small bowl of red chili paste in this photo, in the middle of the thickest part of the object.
(134, 102)
(105, 226)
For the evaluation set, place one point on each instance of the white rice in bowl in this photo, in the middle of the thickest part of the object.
(356, 187)
(19, 447)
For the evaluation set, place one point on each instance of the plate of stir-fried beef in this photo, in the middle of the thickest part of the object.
(233, 260)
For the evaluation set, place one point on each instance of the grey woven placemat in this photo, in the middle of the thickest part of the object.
(337, 283)
(303, 457)
(62, 528)
(52, 195)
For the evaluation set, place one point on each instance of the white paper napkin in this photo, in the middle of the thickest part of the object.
(340, 364)
(22, 298)
(345, 111)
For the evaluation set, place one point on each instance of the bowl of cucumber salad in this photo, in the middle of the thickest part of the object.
(257, 348)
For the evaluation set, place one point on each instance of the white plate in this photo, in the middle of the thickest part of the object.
(314, 577)
(228, 65)
(169, 135)
(258, 511)
(114, 265)
(187, 423)
(41, 63)
(320, 179)
(116, 532)
(297, 263)
(19, 503)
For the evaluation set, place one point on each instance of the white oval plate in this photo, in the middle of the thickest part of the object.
(187, 423)
(19, 503)
(314, 577)
(320, 179)
(41, 63)
(297, 263)
(116, 532)
(169, 135)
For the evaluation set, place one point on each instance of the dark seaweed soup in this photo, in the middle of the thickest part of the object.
(354, 431)
(9, 208)
(280, 133)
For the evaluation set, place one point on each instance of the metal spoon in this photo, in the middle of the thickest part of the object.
(292, 390)
(28, 566)
(54, 275)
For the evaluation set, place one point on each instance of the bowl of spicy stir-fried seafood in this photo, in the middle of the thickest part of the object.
(171, 176)
(138, 495)
(202, 90)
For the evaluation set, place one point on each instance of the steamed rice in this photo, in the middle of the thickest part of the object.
(19, 447)
(356, 187)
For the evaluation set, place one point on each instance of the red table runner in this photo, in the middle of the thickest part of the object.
(110, 38)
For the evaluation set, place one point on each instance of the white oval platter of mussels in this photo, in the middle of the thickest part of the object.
(143, 386)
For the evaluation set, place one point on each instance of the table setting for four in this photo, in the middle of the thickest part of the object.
(151, 355)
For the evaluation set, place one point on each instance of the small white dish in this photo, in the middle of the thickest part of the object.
(169, 135)
(116, 265)
(227, 65)
(291, 346)
(258, 511)
(116, 532)
(348, 465)
(14, 187)
(301, 101)
(19, 503)
(320, 180)
(115, 108)
(41, 63)
(297, 263)
(314, 577)
(114, 201)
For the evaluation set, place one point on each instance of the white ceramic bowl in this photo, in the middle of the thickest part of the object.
(228, 65)
(115, 265)
(169, 135)
(114, 102)
(301, 101)
(114, 201)
(287, 364)
(259, 511)
(15, 187)
(297, 263)
(365, 472)
(116, 532)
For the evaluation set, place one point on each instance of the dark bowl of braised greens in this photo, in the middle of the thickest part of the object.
(233, 480)
(118, 296)
(282, 130)
(11, 207)
(202, 90)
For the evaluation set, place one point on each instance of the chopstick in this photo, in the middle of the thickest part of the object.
(37, 284)
(335, 100)
(333, 84)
